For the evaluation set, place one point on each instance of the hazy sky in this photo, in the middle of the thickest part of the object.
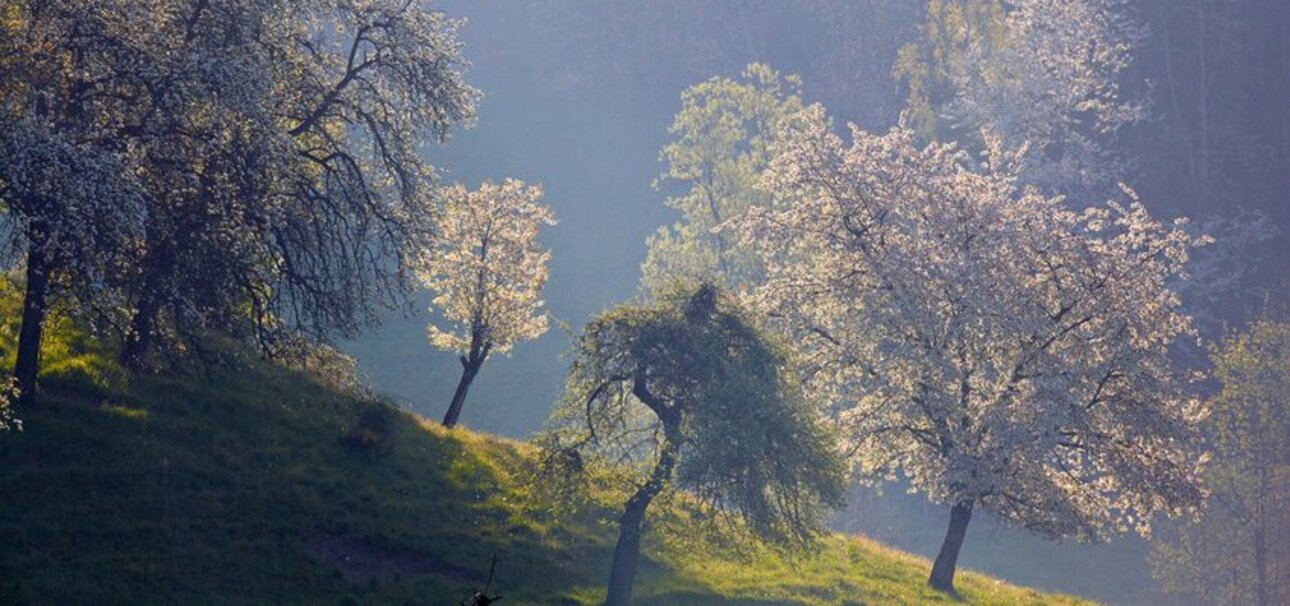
(595, 155)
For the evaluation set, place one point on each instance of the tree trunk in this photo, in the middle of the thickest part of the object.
(139, 340)
(469, 368)
(1260, 540)
(627, 554)
(27, 365)
(943, 569)
(159, 265)
(470, 364)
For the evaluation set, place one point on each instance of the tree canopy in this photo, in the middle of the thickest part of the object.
(981, 339)
(718, 152)
(1038, 74)
(252, 166)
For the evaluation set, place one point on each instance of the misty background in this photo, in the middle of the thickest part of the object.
(579, 96)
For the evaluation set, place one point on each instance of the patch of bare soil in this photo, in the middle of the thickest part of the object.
(360, 561)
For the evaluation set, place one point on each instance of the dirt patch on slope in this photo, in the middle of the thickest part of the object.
(360, 561)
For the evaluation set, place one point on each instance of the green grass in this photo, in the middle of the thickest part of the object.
(251, 485)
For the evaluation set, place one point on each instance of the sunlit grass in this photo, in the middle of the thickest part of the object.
(209, 488)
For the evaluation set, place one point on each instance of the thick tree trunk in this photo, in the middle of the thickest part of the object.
(34, 307)
(468, 371)
(159, 265)
(942, 577)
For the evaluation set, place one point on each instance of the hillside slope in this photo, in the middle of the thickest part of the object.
(255, 485)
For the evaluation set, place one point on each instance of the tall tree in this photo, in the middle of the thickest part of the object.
(247, 165)
(690, 394)
(717, 154)
(987, 343)
(486, 274)
(1237, 553)
(71, 78)
(300, 221)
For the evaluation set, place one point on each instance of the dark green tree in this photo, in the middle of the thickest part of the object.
(688, 393)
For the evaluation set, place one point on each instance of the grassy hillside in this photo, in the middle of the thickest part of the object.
(250, 484)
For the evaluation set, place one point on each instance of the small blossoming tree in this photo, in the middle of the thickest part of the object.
(486, 272)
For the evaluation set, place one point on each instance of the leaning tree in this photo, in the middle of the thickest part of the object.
(486, 271)
(688, 393)
(982, 341)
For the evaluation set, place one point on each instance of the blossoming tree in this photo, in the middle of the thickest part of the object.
(1039, 73)
(286, 212)
(72, 204)
(982, 341)
(486, 272)
(248, 166)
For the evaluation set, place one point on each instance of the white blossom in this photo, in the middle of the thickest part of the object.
(487, 271)
(978, 338)
(8, 393)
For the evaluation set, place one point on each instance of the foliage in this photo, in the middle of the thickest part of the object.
(73, 352)
(72, 204)
(360, 104)
(1042, 74)
(325, 365)
(488, 269)
(690, 378)
(980, 339)
(1236, 553)
(718, 152)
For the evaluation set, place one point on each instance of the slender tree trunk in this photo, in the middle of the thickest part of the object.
(627, 554)
(34, 307)
(139, 340)
(159, 265)
(1261, 540)
(469, 368)
(942, 577)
